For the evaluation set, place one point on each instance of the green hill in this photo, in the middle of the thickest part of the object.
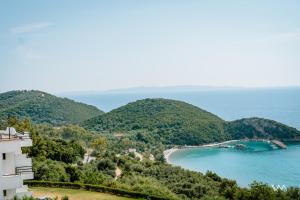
(176, 122)
(173, 122)
(44, 108)
(261, 128)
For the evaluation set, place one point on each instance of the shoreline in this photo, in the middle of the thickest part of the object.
(167, 153)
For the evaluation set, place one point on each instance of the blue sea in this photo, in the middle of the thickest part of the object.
(261, 163)
(280, 167)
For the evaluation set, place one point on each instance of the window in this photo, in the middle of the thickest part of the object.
(4, 193)
(4, 156)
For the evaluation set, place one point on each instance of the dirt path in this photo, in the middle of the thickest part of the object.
(118, 173)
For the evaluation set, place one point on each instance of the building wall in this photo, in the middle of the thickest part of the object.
(10, 146)
(9, 194)
(13, 158)
(8, 165)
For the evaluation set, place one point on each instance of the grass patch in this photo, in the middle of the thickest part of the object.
(73, 194)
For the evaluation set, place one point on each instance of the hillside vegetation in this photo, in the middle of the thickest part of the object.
(261, 128)
(57, 155)
(41, 107)
(145, 177)
(180, 123)
(173, 122)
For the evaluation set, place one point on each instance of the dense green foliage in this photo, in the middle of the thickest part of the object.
(96, 188)
(261, 128)
(44, 108)
(179, 123)
(170, 121)
(184, 183)
(141, 177)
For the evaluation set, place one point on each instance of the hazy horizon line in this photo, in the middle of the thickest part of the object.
(175, 87)
(178, 87)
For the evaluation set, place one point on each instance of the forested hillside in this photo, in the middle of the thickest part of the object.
(42, 107)
(59, 160)
(147, 126)
(179, 123)
(261, 128)
(173, 122)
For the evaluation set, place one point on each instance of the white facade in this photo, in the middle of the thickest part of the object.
(14, 166)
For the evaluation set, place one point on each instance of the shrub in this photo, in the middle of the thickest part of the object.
(65, 198)
(95, 188)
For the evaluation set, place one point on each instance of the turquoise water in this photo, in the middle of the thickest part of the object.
(257, 162)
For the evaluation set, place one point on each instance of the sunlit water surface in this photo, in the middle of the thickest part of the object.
(259, 161)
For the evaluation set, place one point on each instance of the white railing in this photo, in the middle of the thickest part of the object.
(25, 172)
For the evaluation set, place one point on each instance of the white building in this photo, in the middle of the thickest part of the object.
(14, 166)
(131, 150)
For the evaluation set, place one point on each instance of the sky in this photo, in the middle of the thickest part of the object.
(73, 45)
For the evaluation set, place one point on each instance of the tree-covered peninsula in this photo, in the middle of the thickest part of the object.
(179, 123)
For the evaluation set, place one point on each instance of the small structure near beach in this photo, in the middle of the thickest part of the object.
(279, 144)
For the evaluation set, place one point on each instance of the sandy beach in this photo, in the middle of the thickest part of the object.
(168, 152)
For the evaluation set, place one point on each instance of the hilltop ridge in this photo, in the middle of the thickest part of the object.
(180, 123)
(42, 107)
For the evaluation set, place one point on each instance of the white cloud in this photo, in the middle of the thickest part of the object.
(28, 28)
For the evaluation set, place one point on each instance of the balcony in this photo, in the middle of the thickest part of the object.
(10, 143)
(25, 140)
(22, 160)
(11, 181)
(10, 134)
(25, 172)
(27, 175)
